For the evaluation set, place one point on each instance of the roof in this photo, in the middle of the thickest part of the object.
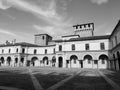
(24, 44)
(85, 38)
(70, 35)
(115, 29)
(42, 34)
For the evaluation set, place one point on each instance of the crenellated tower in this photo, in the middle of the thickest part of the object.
(84, 30)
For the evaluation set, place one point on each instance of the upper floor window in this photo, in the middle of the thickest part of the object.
(87, 47)
(45, 51)
(2, 50)
(9, 50)
(35, 51)
(17, 50)
(43, 37)
(60, 47)
(54, 50)
(73, 46)
(102, 46)
(23, 50)
(116, 40)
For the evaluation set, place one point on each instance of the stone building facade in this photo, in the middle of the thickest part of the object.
(80, 50)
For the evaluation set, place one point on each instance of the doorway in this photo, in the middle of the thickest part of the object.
(81, 63)
(60, 62)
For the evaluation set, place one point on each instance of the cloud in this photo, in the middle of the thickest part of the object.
(46, 29)
(99, 2)
(52, 30)
(48, 12)
(4, 4)
(32, 8)
(9, 16)
(7, 32)
(3, 31)
(103, 29)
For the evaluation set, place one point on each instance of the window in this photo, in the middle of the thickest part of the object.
(67, 61)
(23, 50)
(87, 46)
(95, 62)
(17, 50)
(35, 51)
(102, 46)
(45, 51)
(116, 40)
(54, 50)
(73, 47)
(43, 37)
(2, 51)
(60, 47)
(9, 50)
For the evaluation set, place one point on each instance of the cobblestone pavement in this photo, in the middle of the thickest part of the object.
(23, 78)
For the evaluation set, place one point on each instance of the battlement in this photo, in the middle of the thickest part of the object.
(84, 30)
(88, 26)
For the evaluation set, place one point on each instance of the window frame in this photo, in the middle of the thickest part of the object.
(60, 47)
(87, 47)
(9, 51)
(45, 51)
(73, 47)
(102, 46)
(35, 51)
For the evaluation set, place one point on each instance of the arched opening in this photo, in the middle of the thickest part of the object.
(22, 61)
(2, 60)
(118, 55)
(45, 61)
(73, 61)
(74, 58)
(88, 58)
(53, 61)
(60, 62)
(16, 61)
(103, 58)
(9, 60)
(33, 60)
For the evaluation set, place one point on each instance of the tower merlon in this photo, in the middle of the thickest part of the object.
(84, 30)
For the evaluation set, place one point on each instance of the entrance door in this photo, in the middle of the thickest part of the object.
(81, 63)
(60, 61)
(28, 63)
(95, 65)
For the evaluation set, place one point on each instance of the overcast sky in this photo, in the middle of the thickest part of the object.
(21, 19)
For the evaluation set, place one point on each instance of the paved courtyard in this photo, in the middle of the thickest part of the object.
(58, 79)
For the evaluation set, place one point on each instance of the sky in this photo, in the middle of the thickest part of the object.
(22, 19)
